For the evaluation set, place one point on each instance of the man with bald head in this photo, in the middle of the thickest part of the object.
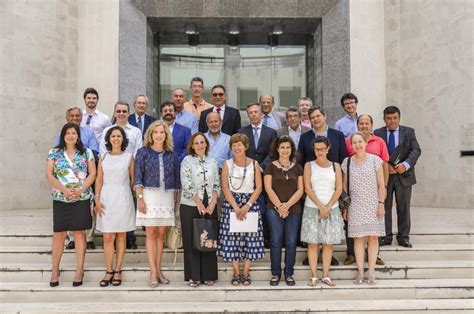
(183, 117)
(273, 119)
(219, 142)
(140, 118)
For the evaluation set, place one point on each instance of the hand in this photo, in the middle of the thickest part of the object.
(380, 211)
(201, 209)
(243, 211)
(344, 215)
(283, 210)
(69, 193)
(400, 168)
(211, 207)
(391, 170)
(141, 206)
(99, 208)
(77, 193)
(323, 212)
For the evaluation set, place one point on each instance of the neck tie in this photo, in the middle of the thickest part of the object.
(139, 124)
(218, 109)
(255, 136)
(391, 141)
(265, 120)
(88, 121)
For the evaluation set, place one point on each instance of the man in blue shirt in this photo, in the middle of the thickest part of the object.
(183, 117)
(219, 142)
(348, 124)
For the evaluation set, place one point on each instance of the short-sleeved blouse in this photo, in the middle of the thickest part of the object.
(284, 183)
(71, 173)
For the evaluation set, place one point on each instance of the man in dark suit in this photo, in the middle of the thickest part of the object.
(260, 136)
(337, 151)
(402, 175)
(294, 128)
(140, 119)
(271, 118)
(180, 133)
(230, 116)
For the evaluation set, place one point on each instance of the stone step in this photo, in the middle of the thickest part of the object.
(94, 272)
(427, 252)
(44, 239)
(319, 306)
(224, 292)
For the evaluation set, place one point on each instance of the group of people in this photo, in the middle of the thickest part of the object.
(286, 171)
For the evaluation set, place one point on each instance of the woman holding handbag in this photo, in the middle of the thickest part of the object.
(201, 187)
(241, 184)
(157, 183)
(322, 220)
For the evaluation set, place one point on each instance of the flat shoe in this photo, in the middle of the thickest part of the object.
(313, 282)
(371, 280)
(358, 280)
(209, 283)
(235, 280)
(193, 284)
(328, 282)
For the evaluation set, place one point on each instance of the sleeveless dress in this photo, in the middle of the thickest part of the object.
(240, 245)
(159, 203)
(116, 195)
(314, 229)
(362, 220)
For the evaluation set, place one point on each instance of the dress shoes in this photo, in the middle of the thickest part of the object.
(405, 243)
(70, 245)
(385, 242)
(131, 246)
(349, 260)
(334, 261)
(90, 245)
(379, 261)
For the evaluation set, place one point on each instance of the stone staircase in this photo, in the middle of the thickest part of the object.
(437, 275)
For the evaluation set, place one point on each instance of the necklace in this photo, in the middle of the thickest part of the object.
(240, 178)
(284, 170)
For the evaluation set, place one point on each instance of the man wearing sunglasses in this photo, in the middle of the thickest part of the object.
(230, 116)
(92, 118)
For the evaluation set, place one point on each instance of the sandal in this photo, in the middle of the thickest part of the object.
(313, 282)
(209, 283)
(246, 280)
(163, 280)
(116, 282)
(274, 281)
(371, 280)
(358, 280)
(328, 282)
(105, 282)
(235, 280)
(193, 284)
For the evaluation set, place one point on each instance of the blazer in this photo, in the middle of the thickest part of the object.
(267, 136)
(181, 136)
(280, 118)
(230, 124)
(148, 120)
(284, 130)
(337, 151)
(407, 136)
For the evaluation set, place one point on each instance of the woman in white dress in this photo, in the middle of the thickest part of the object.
(157, 182)
(114, 202)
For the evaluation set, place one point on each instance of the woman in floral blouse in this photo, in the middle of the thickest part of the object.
(70, 170)
(201, 187)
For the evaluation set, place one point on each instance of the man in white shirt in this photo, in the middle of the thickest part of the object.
(134, 135)
(92, 118)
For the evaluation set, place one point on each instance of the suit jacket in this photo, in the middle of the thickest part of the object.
(267, 136)
(280, 118)
(406, 136)
(230, 124)
(181, 136)
(148, 120)
(284, 130)
(337, 151)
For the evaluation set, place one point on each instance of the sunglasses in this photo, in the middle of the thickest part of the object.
(218, 94)
(121, 111)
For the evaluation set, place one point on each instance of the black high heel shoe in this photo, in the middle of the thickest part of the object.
(78, 283)
(53, 284)
(104, 282)
(117, 282)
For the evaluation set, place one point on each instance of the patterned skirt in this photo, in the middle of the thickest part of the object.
(241, 245)
(315, 230)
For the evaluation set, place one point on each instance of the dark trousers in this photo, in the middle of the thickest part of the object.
(402, 199)
(198, 266)
(282, 231)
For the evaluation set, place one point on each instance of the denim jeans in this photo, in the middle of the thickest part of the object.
(282, 231)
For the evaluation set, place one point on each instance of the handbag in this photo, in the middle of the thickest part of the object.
(345, 198)
(204, 234)
(173, 238)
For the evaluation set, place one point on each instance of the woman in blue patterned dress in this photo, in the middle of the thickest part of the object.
(156, 183)
(241, 184)
(70, 170)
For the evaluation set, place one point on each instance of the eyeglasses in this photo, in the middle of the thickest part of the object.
(349, 102)
(121, 111)
(217, 94)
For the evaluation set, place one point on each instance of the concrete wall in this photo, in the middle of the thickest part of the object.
(429, 75)
(51, 51)
(367, 55)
